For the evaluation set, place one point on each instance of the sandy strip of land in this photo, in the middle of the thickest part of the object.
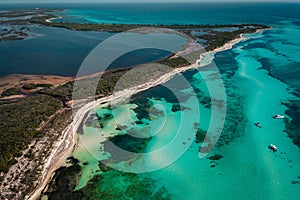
(65, 147)
(50, 20)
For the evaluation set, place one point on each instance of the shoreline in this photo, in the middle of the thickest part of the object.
(65, 147)
(50, 19)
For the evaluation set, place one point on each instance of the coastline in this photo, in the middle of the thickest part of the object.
(65, 147)
(50, 19)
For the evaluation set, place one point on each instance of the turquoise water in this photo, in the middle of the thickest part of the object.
(245, 168)
(180, 13)
(261, 78)
(60, 51)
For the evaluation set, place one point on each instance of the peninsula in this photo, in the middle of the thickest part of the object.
(44, 135)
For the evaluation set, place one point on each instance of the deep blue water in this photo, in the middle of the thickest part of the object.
(61, 52)
(170, 13)
(49, 51)
(188, 13)
(275, 53)
(56, 51)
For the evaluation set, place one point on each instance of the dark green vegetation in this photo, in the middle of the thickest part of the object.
(130, 139)
(292, 126)
(169, 92)
(174, 62)
(212, 36)
(115, 28)
(62, 92)
(128, 143)
(142, 110)
(200, 135)
(126, 27)
(132, 186)
(65, 183)
(10, 92)
(32, 86)
(215, 39)
(106, 84)
(215, 157)
(19, 123)
(235, 121)
(40, 17)
(21, 119)
(103, 119)
(46, 137)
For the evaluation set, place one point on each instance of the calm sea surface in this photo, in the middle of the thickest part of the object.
(261, 78)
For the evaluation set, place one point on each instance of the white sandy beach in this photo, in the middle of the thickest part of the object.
(50, 20)
(64, 147)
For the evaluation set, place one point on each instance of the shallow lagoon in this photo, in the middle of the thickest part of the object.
(242, 167)
(59, 51)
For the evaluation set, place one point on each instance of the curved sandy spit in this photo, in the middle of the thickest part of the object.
(65, 147)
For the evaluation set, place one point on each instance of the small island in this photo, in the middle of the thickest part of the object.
(212, 36)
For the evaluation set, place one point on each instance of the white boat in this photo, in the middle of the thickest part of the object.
(278, 117)
(272, 147)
